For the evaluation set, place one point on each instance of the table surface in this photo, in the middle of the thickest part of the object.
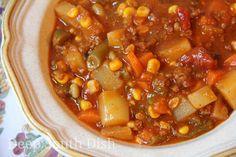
(17, 138)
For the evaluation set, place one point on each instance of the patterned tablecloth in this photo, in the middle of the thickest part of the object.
(17, 138)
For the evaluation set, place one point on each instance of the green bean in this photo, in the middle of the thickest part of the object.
(60, 36)
(74, 90)
(97, 56)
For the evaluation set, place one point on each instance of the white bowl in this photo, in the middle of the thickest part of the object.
(27, 32)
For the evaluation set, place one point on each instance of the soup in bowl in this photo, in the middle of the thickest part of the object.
(147, 72)
(144, 74)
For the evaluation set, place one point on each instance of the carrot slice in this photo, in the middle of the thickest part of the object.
(135, 64)
(231, 61)
(89, 116)
(145, 57)
(213, 76)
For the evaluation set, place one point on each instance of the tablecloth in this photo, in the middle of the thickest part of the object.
(17, 138)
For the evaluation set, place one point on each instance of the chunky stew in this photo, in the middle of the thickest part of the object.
(151, 72)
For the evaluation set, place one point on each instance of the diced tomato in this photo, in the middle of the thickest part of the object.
(184, 17)
(200, 58)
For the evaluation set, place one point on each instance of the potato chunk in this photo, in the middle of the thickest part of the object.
(220, 111)
(202, 97)
(173, 50)
(183, 110)
(81, 21)
(107, 78)
(113, 108)
(227, 87)
(62, 9)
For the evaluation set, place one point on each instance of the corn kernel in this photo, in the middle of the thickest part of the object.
(143, 11)
(137, 94)
(131, 124)
(153, 66)
(116, 64)
(121, 9)
(93, 86)
(62, 79)
(173, 9)
(73, 13)
(152, 113)
(85, 22)
(184, 130)
(85, 105)
(78, 81)
(78, 38)
(233, 8)
(164, 125)
(129, 12)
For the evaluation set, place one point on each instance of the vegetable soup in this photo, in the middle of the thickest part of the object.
(151, 72)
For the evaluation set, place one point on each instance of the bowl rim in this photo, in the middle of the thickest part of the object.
(46, 132)
(17, 89)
